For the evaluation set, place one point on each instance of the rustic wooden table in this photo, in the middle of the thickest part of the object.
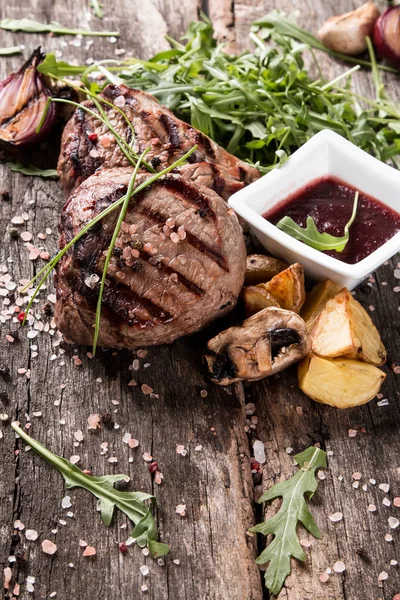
(212, 556)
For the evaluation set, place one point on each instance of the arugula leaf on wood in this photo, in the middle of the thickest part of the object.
(312, 237)
(130, 503)
(29, 26)
(10, 50)
(283, 524)
(32, 170)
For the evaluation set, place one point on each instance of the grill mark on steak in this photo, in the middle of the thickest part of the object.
(117, 297)
(203, 140)
(191, 239)
(188, 192)
(171, 128)
(188, 283)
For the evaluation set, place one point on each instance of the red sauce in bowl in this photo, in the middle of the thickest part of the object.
(329, 202)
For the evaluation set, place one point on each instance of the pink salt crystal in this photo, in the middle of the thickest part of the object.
(135, 253)
(132, 383)
(106, 140)
(34, 254)
(26, 236)
(396, 502)
(49, 547)
(338, 516)
(120, 101)
(44, 255)
(89, 551)
(158, 477)
(142, 353)
(170, 223)
(180, 448)
(10, 338)
(352, 433)
(133, 443)
(94, 421)
(324, 577)
(181, 232)
(132, 229)
(146, 389)
(147, 457)
(77, 362)
(174, 237)
(149, 248)
(181, 510)
(382, 576)
(7, 578)
(356, 476)
(339, 566)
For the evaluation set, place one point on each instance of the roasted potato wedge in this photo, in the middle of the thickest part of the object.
(255, 298)
(260, 268)
(260, 346)
(316, 301)
(287, 288)
(342, 383)
(345, 329)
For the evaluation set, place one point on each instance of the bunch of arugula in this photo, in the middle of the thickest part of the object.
(260, 105)
(130, 503)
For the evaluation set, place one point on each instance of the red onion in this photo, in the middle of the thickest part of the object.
(23, 97)
(387, 35)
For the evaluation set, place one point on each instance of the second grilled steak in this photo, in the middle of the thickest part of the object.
(179, 261)
(88, 145)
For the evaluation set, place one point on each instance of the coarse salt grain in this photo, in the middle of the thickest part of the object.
(371, 507)
(147, 457)
(382, 576)
(49, 547)
(339, 567)
(385, 487)
(83, 543)
(386, 502)
(74, 459)
(180, 448)
(393, 522)
(19, 525)
(356, 476)
(324, 577)
(78, 435)
(352, 433)
(144, 570)
(31, 535)
(388, 538)
(66, 502)
(146, 389)
(94, 421)
(336, 517)
(181, 510)
(133, 443)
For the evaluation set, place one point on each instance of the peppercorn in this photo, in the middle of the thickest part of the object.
(153, 467)
(121, 263)
(137, 266)
(47, 309)
(155, 162)
(106, 419)
(123, 547)
(117, 251)
(5, 195)
(14, 233)
(4, 371)
(121, 485)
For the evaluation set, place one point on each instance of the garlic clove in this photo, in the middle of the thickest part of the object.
(346, 33)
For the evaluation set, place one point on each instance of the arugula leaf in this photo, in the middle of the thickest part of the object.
(283, 524)
(59, 68)
(32, 170)
(29, 26)
(130, 503)
(97, 8)
(11, 50)
(312, 237)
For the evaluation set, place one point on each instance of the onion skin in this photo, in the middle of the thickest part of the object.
(23, 98)
(387, 35)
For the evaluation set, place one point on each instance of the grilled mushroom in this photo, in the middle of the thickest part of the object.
(260, 346)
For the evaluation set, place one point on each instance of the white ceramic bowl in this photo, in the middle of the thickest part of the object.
(327, 153)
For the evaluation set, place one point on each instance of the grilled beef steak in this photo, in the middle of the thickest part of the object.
(88, 145)
(179, 261)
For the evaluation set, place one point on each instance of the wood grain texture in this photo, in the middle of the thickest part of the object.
(210, 542)
(215, 555)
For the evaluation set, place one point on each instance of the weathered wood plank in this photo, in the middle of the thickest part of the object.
(214, 481)
(358, 540)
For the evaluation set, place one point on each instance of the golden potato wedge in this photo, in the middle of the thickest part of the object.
(316, 301)
(255, 298)
(260, 268)
(344, 328)
(288, 288)
(342, 383)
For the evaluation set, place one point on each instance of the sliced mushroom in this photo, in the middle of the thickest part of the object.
(260, 346)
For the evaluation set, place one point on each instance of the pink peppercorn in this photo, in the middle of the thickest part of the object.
(123, 547)
(93, 137)
(21, 317)
(153, 467)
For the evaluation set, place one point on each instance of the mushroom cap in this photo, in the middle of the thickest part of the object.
(260, 346)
